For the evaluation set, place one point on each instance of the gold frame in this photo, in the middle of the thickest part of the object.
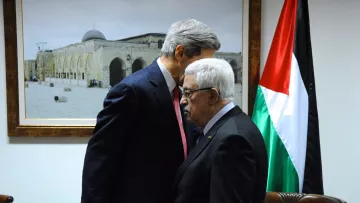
(12, 85)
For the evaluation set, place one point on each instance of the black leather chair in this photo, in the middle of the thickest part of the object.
(283, 197)
(6, 199)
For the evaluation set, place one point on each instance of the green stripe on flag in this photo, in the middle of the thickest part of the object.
(282, 174)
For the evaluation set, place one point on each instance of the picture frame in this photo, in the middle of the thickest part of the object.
(251, 68)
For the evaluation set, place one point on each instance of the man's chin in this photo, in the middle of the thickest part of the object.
(192, 122)
(188, 116)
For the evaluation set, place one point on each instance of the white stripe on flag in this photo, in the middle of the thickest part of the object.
(289, 114)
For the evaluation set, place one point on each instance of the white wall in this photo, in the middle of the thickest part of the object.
(37, 170)
(335, 38)
(49, 170)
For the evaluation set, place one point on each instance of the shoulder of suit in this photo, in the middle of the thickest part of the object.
(136, 79)
(240, 124)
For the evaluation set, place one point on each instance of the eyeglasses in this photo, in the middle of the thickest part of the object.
(186, 93)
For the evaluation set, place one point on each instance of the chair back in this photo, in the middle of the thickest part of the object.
(6, 199)
(283, 197)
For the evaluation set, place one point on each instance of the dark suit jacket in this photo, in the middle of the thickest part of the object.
(136, 147)
(228, 165)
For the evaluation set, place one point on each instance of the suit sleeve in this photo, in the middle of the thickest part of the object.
(233, 173)
(104, 149)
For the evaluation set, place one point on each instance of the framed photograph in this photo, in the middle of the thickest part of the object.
(62, 57)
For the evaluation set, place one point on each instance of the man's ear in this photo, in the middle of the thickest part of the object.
(179, 52)
(214, 96)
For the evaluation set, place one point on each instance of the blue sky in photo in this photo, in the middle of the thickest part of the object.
(60, 23)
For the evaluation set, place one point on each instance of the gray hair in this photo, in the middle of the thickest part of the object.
(191, 34)
(214, 73)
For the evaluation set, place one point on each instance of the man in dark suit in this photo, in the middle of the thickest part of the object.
(229, 163)
(139, 139)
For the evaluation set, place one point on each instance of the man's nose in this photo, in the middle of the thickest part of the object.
(183, 101)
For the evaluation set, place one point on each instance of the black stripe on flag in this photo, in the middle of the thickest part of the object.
(313, 182)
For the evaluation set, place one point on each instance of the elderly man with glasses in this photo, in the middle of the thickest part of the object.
(229, 162)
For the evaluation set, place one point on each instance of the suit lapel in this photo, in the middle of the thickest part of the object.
(161, 90)
(163, 96)
(204, 142)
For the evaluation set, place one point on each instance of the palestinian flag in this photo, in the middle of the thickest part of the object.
(285, 108)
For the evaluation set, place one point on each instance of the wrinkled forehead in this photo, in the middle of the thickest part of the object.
(189, 82)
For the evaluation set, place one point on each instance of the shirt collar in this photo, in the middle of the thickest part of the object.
(217, 116)
(170, 82)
